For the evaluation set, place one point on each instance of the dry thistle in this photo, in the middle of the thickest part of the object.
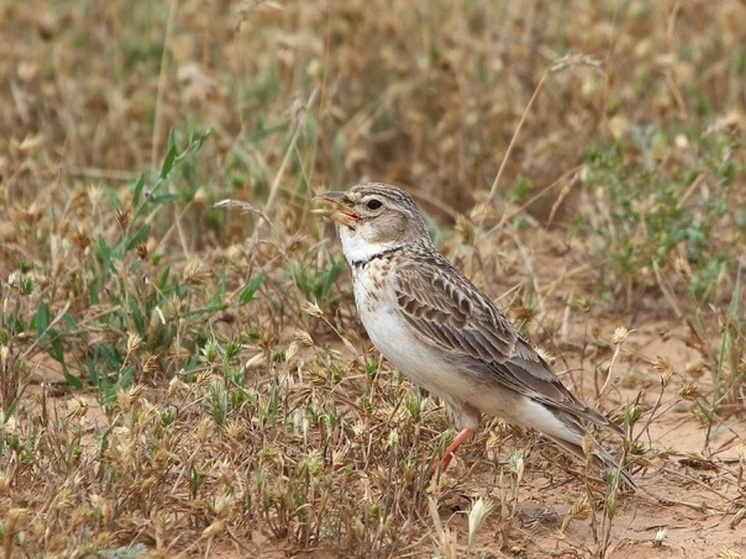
(483, 213)
(303, 338)
(122, 218)
(222, 504)
(620, 335)
(516, 465)
(314, 463)
(697, 369)
(205, 430)
(78, 410)
(393, 439)
(690, 391)
(214, 529)
(682, 267)
(443, 537)
(245, 206)
(664, 366)
(151, 363)
(291, 351)
(133, 342)
(737, 518)
(589, 447)
(312, 309)
(4, 481)
(660, 536)
(480, 510)
(580, 508)
(196, 273)
(466, 228)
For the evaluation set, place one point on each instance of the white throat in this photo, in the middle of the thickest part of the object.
(357, 250)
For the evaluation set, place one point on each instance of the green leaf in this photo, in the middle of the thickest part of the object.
(112, 359)
(41, 319)
(117, 252)
(139, 185)
(162, 282)
(71, 379)
(57, 350)
(139, 237)
(248, 292)
(126, 378)
(195, 143)
(137, 317)
(92, 371)
(70, 323)
(93, 293)
(107, 391)
(103, 251)
(168, 161)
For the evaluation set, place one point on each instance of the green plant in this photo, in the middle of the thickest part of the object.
(727, 363)
(316, 284)
(645, 219)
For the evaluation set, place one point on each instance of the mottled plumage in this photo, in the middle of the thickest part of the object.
(434, 325)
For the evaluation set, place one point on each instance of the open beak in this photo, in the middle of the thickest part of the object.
(337, 207)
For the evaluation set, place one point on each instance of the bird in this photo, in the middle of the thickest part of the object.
(434, 325)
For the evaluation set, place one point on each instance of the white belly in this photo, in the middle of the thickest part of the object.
(398, 343)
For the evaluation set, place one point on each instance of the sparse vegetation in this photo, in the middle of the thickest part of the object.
(184, 380)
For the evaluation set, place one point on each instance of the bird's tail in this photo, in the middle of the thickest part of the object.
(601, 456)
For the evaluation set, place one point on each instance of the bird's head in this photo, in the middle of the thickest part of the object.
(373, 218)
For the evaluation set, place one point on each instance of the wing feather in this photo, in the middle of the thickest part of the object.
(436, 299)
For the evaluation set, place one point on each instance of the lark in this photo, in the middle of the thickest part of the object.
(443, 333)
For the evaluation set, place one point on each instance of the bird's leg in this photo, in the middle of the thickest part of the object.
(461, 438)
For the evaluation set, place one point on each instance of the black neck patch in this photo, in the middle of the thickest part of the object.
(357, 264)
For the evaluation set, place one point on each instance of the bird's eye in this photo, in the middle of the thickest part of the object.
(373, 204)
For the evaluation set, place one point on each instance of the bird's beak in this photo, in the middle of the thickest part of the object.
(338, 208)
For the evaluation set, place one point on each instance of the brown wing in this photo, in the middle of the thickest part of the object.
(444, 305)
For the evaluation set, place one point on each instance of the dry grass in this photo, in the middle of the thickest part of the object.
(185, 380)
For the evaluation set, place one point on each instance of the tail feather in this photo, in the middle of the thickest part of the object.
(601, 456)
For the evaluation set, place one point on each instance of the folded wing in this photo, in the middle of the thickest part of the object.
(453, 313)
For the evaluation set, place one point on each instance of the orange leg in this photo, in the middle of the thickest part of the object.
(460, 439)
